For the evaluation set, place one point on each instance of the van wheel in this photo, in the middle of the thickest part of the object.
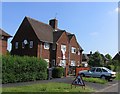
(103, 77)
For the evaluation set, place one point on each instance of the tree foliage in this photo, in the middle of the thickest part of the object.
(96, 60)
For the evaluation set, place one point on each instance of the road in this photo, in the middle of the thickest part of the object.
(112, 88)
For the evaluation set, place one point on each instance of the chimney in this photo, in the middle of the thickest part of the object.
(53, 23)
(90, 52)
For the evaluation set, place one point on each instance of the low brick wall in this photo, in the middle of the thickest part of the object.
(80, 69)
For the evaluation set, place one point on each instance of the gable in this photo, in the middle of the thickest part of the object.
(23, 31)
(43, 32)
(63, 38)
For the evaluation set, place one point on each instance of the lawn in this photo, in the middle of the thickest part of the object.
(47, 87)
(95, 80)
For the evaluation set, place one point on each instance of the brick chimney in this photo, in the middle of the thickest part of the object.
(53, 23)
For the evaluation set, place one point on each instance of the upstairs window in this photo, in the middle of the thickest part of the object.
(54, 46)
(46, 45)
(63, 48)
(31, 44)
(23, 45)
(73, 50)
(16, 45)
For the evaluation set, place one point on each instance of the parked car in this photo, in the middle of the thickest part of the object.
(99, 72)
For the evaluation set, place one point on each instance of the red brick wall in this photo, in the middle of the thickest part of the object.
(44, 53)
(3, 47)
(62, 40)
(73, 56)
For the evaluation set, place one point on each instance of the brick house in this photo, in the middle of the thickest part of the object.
(34, 38)
(3, 41)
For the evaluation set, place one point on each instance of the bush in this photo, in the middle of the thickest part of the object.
(111, 67)
(57, 72)
(20, 69)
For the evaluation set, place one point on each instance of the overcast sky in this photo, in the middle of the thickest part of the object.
(95, 24)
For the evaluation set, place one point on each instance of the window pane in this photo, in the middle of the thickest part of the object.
(31, 44)
(46, 45)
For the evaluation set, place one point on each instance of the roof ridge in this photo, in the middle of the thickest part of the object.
(37, 20)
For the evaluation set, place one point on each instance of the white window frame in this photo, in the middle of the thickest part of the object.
(63, 48)
(73, 63)
(62, 63)
(73, 50)
(31, 44)
(46, 45)
(16, 45)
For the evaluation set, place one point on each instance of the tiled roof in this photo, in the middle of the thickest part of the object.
(4, 33)
(43, 31)
(57, 35)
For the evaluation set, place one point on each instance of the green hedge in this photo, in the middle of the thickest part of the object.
(21, 69)
(57, 72)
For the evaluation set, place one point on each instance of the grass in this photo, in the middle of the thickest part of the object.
(95, 80)
(47, 87)
(117, 76)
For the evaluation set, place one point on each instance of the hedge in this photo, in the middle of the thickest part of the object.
(57, 72)
(21, 69)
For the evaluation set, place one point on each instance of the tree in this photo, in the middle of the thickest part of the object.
(108, 56)
(96, 60)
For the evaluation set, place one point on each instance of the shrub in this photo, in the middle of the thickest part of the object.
(57, 72)
(20, 69)
(111, 67)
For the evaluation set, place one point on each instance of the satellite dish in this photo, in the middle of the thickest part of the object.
(25, 42)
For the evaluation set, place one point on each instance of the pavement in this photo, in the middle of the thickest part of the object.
(109, 87)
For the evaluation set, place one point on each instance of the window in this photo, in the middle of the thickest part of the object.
(53, 62)
(46, 45)
(92, 70)
(16, 45)
(73, 50)
(47, 60)
(31, 44)
(62, 63)
(63, 48)
(23, 45)
(73, 63)
(54, 46)
(98, 70)
(104, 70)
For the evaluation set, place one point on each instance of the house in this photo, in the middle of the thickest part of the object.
(47, 41)
(3, 41)
(117, 56)
(85, 60)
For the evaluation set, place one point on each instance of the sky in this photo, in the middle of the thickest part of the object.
(95, 24)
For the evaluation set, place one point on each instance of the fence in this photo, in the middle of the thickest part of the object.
(80, 69)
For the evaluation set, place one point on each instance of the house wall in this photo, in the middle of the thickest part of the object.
(3, 47)
(62, 40)
(43, 53)
(74, 56)
(25, 32)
